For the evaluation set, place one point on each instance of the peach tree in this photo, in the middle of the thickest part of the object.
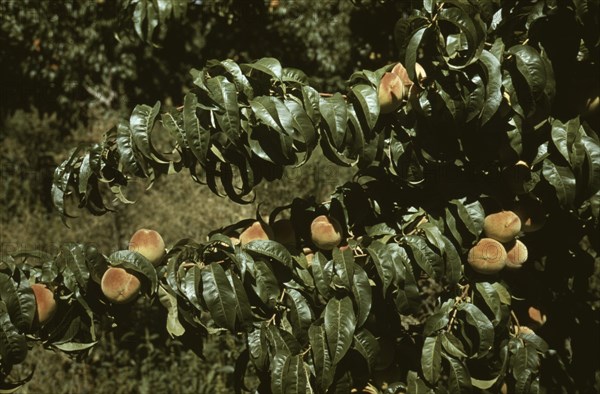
(460, 258)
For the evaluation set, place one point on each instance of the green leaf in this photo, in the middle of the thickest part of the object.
(19, 299)
(219, 296)
(242, 306)
(427, 259)
(76, 266)
(278, 372)
(367, 345)
(491, 298)
(361, 292)
(493, 87)
(169, 301)
(322, 272)
(128, 160)
(416, 385)
(380, 256)
(452, 345)
(531, 66)
(459, 377)
(411, 52)
(224, 94)
(301, 316)
(562, 180)
(270, 249)
(369, 102)
(267, 286)
(431, 359)
(73, 347)
(593, 157)
(239, 79)
(340, 323)
(197, 138)
(141, 123)
(466, 25)
(453, 261)
(321, 356)
(295, 376)
(13, 346)
(485, 330)
(267, 65)
(343, 265)
(471, 214)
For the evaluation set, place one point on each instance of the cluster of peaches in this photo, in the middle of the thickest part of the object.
(499, 248)
(120, 285)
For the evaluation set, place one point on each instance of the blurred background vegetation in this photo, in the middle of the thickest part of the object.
(71, 69)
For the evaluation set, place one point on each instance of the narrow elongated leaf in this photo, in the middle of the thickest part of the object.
(459, 377)
(369, 103)
(485, 330)
(343, 264)
(340, 323)
(169, 301)
(382, 263)
(452, 345)
(431, 359)
(19, 299)
(224, 94)
(321, 357)
(301, 315)
(361, 292)
(141, 122)
(322, 272)
(367, 345)
(242, 307)
(196, 136)
(219, 296)
(562, 180)
(267, 65)
(493, 92)
(267, 286)
(294, 376)
(13, 346)
(430, 262)
(270, 249)
(491, 298)
(531, 66)
(278, 373)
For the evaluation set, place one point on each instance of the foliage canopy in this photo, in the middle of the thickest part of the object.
(500, 89)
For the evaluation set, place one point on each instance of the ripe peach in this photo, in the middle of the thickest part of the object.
(255, 231)
(391, 93)
(45, 304)
(120, 286)
(516, 177)
(516, 254)
(284, 232)
(487, 257)
(502, 226)
(149, 244)
(326, 232)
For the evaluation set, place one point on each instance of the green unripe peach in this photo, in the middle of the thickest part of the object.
(502, 226)
(149, 244)
(256, 231)
(487, 257)
(45, 304)
(326, 232)
(516, 254)
(120, 286)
